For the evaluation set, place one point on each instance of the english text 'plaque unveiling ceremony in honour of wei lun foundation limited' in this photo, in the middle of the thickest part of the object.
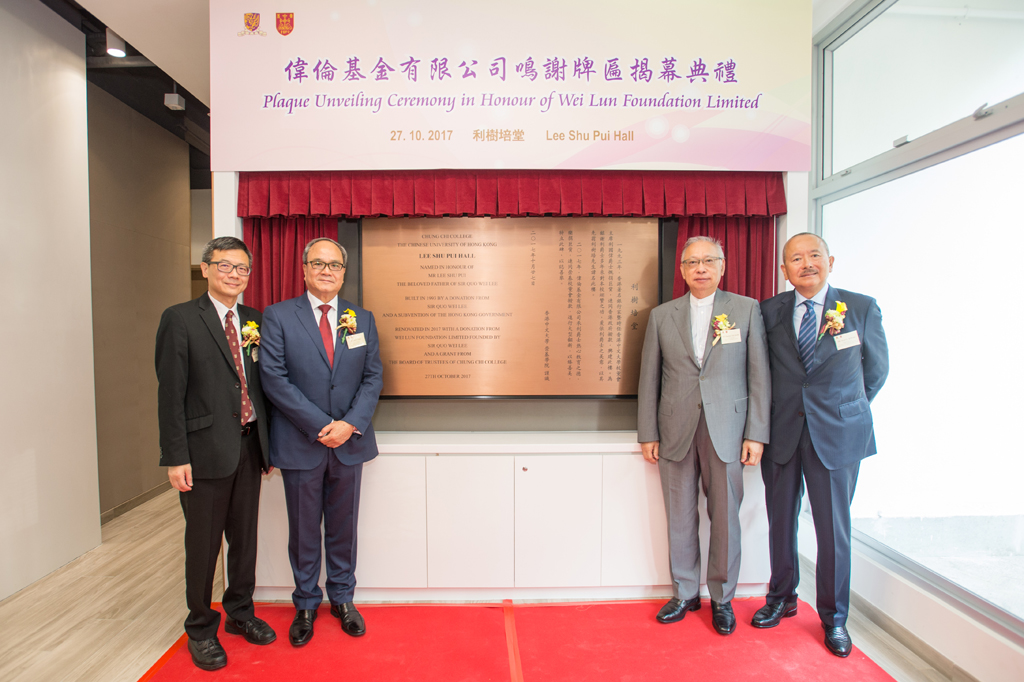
(434, 340)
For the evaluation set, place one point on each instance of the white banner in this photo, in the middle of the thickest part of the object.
(406, 84)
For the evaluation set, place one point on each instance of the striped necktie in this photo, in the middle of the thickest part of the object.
(808, 329)
(236, 353)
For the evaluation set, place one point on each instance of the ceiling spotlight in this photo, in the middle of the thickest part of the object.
(115, 44)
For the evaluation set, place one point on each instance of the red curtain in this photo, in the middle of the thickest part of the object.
(358, 194)
(284, 210)
(749, 245)
(276, 245)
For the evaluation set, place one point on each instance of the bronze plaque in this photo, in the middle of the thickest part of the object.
(510, 306)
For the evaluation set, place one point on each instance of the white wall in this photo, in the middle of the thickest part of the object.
(49, 500)
(202, 222)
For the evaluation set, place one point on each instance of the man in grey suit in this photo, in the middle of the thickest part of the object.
(704, 402)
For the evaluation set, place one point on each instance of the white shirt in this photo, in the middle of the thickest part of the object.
(700, 320)
(800, 309)
(332, 314)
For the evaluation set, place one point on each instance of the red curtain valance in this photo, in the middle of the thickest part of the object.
(357, 194)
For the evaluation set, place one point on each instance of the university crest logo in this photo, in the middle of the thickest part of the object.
(285, 22)
(251, 22)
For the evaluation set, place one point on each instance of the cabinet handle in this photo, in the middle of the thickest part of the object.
(524, 468)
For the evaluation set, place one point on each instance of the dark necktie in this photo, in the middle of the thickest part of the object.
(236, 353)
(327, 334)
(808, 330)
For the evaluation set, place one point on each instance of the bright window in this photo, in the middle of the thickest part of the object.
(941, 250)
(918, 66)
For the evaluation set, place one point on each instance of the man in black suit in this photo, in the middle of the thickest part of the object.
(829, 359)
(213, 440)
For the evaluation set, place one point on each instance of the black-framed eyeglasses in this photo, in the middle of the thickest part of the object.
(226, 267)
(708, 262)
(319, 265)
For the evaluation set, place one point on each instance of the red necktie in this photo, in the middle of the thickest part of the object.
(236, 353)
(327, 334)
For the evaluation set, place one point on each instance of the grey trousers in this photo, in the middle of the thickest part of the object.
(723, 485)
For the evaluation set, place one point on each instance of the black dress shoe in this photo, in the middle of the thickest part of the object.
(723, 618)
(207, 654)
(675, 610)
(301, 630)
(770, 615)
(351, 620)
(837, 640)
(255, 630)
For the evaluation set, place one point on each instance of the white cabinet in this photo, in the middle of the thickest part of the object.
(392, 549)
(496, 516)
(634, 535)
(470, 521)
(558, 520)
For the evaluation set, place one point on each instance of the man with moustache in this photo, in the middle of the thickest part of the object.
(322, 373)
(213, 441)
(704, 399)
(829, 359)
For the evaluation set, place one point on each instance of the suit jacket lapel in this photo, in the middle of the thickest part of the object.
(339, 345)
(307, 318)
(243, 317)
(721, 306)
(825, 344)
(208, 312)
(787, 320)
(682, 320)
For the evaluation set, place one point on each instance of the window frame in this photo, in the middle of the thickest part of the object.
(990, 124)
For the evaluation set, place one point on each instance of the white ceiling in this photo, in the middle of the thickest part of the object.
(173, 34)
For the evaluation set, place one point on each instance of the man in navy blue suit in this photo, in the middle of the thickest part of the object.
(828, 360)
(321, 370)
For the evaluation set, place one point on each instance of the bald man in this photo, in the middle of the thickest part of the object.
(828, 361)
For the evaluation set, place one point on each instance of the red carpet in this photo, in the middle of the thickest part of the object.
(623, 641)
(530, 643)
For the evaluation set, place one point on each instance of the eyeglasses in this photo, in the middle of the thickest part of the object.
(708, 262)
(226, 267)
(319, 265)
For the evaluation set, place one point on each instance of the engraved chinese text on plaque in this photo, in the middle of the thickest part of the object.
(510, 306)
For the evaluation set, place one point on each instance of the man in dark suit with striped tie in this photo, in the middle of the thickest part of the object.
(828, 359)
(214, 443)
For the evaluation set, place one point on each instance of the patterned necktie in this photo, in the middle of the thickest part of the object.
(327, 334)
(236, 353)
(808, 330)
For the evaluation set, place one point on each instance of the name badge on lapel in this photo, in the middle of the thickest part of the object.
(847, 340)
(357, 340)
(731, 336)
(254, 353)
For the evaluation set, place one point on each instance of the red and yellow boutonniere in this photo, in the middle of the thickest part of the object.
(720, 324)
(833, 320)
(347, 323)
(251, 338)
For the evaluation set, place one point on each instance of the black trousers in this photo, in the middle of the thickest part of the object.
(830, 493)
(227, 507)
